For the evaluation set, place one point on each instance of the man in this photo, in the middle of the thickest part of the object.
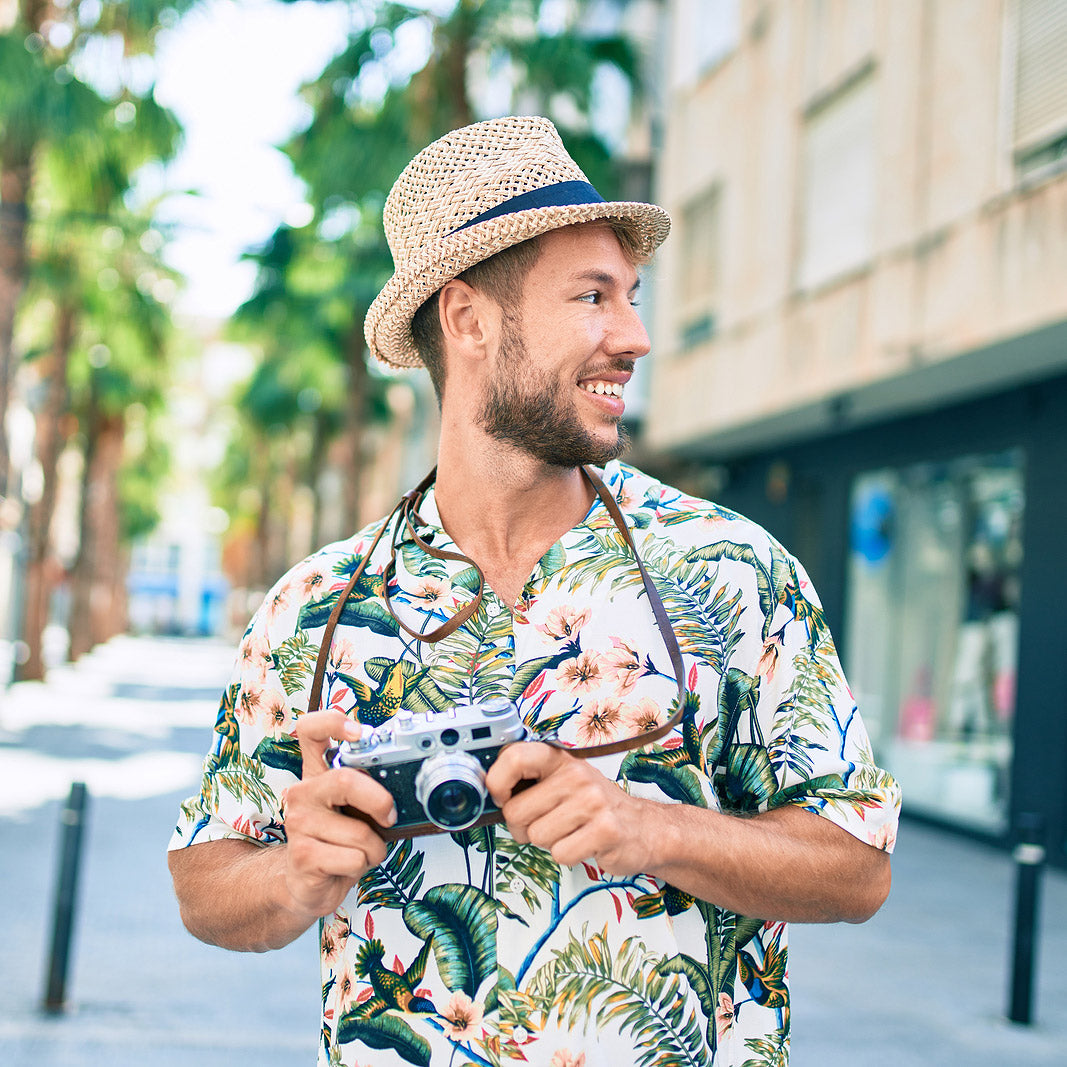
(632, 907)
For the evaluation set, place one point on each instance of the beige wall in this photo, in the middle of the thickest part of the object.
(962, 255)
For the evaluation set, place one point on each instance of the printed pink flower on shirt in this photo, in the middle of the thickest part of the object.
(463, 1017)
(563, 1057)
(311, 583)
(255, 656)
(248, 702)
(564, 622)
(643, 716)
(768, 661)
(622, 667)
(599, 722)
(343, 655)
(724, 1015)
(581, 674)
(885, 837)
(334, 935)
(346, 989)
(277, 715)
(433, 591)
(277, 601)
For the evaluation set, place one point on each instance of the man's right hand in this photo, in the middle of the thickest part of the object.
(328, 852)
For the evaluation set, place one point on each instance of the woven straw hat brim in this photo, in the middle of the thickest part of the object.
(388, 323)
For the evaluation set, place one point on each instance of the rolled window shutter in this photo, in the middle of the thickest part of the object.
(1041, 72)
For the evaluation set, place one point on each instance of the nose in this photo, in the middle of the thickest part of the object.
(631, 338)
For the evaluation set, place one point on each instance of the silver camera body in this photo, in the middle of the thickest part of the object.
(434, 764)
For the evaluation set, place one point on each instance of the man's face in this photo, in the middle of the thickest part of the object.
(568, 349)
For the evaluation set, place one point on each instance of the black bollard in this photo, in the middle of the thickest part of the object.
(73, 826)
(1029, 858)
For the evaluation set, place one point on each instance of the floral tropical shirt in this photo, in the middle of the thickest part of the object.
(469, 948)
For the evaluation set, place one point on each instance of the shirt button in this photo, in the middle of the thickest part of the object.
(492, 608)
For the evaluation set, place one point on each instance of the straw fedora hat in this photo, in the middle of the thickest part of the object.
(471, 194)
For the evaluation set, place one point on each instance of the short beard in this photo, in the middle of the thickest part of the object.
(529, 411)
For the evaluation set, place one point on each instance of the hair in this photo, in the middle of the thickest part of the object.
(502, 277)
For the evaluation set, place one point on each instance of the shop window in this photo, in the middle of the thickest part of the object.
(837, 210)
(1040, 113)
(932, 617)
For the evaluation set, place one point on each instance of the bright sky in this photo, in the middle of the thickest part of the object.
(230, 71)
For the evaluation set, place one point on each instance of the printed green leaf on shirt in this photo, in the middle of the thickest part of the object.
(600, 986)
(524, 869)
(773, 582)
(282, 753)
(669, 772)
(480, 664)
(395, 882)
(749, 781)
(294, 660)
(385, 1031)
(462, 921)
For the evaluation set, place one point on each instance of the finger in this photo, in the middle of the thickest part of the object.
(316, 732)
(344, 787)
(525, 760)
(552, 825)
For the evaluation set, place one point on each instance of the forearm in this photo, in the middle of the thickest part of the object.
(787, 864)
(234, 894)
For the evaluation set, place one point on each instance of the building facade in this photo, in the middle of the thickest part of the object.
(861, 341)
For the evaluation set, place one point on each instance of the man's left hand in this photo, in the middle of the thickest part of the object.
(570, 808)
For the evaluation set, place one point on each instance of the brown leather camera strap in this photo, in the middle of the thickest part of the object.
(405, 515)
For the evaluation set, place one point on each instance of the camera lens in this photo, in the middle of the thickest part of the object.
(451, 790)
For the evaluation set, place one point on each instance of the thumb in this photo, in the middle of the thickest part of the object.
(319, 730)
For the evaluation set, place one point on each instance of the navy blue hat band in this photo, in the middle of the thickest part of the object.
(562, 194)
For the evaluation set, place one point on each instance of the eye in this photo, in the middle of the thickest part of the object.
(590, 298)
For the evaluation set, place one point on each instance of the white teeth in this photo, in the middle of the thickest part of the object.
(602, 388)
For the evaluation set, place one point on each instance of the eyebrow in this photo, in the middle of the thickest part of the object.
(604, 278)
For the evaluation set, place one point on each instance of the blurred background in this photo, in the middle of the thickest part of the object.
(859, 333)
(859, 322)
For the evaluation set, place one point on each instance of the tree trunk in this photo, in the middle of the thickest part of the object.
(97, 568)
(357, 421)
(261, 545)
(16, 175)
(41, 565)
(312, 479)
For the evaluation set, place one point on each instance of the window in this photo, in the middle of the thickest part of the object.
(838, 175)
(700, 281)
(705, 31)
(1040, 115)
(932, 604)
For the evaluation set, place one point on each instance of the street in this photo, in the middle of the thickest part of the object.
(924, 982)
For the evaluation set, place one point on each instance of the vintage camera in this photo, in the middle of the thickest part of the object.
(434, 764)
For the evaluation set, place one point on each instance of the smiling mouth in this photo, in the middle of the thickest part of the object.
(602, 388)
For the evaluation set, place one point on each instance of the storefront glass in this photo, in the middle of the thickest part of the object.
(932, 602)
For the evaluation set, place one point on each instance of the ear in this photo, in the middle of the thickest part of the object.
(470, 320)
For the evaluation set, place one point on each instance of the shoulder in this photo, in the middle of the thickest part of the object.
(688, 521)
(317, 578)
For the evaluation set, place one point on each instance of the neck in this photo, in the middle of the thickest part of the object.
(505, 509)
(500, 500)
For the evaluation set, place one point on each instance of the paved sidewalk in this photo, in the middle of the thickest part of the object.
(924, 983)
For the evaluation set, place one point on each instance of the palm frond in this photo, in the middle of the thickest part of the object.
(590, 981)
(294, 660)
